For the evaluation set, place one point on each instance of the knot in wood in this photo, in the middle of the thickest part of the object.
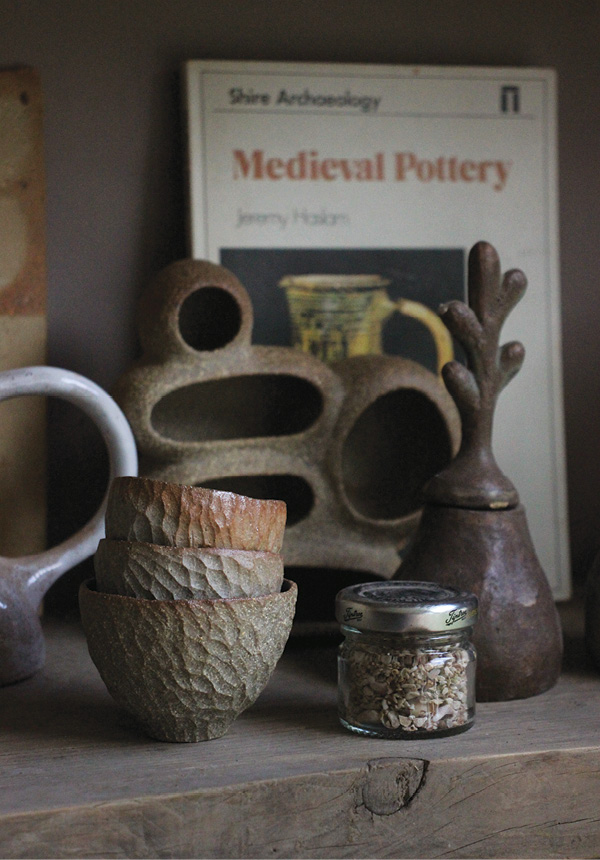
(389, 784)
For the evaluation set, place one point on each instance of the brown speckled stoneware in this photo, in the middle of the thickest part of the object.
(137, 569)
(186, 669)
(347, 447)
(142, 509)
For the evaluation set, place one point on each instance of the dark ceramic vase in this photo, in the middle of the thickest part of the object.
(473, 533)
(490, 553)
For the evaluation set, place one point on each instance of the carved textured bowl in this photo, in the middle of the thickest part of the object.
(142, 509)
(186, 668)
(137, 569)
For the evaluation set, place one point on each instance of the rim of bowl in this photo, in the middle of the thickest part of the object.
(196, 491)
(286, 586)
(180, 550)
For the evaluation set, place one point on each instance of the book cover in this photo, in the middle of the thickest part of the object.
(346, 198)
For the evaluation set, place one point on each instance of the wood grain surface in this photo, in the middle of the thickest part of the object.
(22, 310)
(79, 780)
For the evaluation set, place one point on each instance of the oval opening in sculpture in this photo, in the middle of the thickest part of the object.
(397, 444)
(209, 319)
(291, 489)
(238, 407)
(317, 588)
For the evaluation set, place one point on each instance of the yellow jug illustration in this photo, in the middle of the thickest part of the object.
(338, 316)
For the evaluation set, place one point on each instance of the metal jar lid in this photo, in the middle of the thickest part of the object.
(405, 607)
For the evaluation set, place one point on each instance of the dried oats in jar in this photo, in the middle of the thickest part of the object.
(406, 666)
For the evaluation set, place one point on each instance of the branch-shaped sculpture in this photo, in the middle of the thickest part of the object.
(474, 479)
(473, 533)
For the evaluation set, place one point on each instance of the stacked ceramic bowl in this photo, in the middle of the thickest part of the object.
(189, 612)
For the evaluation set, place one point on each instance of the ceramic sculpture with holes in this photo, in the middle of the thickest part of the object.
(347, 446)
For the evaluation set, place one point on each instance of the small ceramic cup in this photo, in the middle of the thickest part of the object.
(138, 569)
(143, 509)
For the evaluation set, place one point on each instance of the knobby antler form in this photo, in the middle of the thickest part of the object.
(473, 533)
(473, 479)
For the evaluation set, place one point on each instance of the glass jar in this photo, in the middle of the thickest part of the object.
(406, 666)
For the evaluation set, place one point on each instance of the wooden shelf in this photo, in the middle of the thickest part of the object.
(78, 780)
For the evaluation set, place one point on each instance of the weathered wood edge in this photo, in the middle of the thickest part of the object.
(542, 805)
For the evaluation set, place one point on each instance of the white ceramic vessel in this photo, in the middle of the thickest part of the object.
(25, 580)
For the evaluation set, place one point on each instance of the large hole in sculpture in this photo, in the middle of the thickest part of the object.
(398, 443)
(209, 319)
(239, 407)
(317, 588)
(293, 490)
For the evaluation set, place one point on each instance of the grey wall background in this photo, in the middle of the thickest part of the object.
(115, 180)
